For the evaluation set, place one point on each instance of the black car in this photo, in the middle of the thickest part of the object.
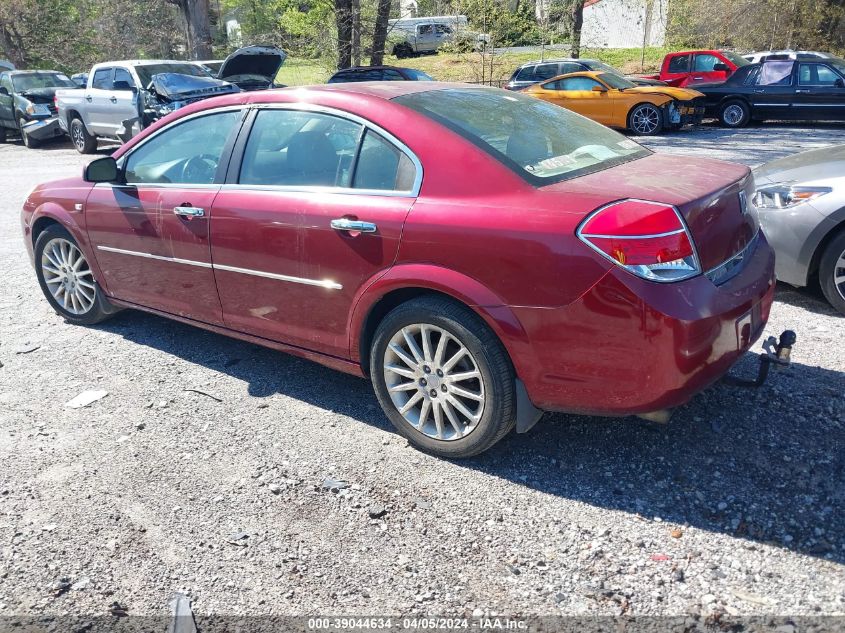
(26, 104)
(780, 89)
(378, 73)
(531, 73)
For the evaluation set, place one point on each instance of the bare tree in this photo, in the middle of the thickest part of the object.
(576, 22)
(380, 32)
(343, 18)
(197, 26)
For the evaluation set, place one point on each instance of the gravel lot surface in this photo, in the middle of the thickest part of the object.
(736, 506)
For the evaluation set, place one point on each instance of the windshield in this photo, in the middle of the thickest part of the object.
(736, 60)
(417, 75)
(594, 64)
(146, 72)
(35, 81)
(615, 81)
(540, 141)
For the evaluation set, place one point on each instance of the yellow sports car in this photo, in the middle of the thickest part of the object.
(616, 102)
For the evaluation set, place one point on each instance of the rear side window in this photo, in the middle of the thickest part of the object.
(577, 83)
(546, 71)
(679, 64)
(381, 166)
(291, 148)
(570, 67)
(776, 74)
(102, 79)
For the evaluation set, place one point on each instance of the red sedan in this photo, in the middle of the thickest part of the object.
(479, 254)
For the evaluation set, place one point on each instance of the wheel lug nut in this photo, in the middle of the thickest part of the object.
(434, 393)
(443, 388)
(440, 373)
(423, 382)
(427, 369)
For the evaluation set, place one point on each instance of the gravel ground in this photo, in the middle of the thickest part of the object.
(736, 507)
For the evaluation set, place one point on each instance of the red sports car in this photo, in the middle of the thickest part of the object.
(478, 254)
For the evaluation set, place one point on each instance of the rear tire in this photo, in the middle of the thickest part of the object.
(402, 51)
(28, 141)
(734, 114)
(832, 272)
(81, 139)
(455, 381)
(66, 279)
(645, 119)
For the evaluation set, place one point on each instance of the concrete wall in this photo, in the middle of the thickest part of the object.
(624, 23)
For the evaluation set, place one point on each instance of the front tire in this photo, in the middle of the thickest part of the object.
(832, 272)
(443, 378)
(28, 141)
(645, 120)
(66, 278)
(734, 114)
(81, 139)
(402, 51)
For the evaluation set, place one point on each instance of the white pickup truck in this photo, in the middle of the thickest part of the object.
(416, 36)
(123, 97)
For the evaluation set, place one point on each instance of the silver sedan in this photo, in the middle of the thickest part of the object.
(801, 203)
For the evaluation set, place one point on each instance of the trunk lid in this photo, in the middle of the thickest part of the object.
(711, 195)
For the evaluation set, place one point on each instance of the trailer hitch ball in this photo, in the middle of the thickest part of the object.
(784, 349)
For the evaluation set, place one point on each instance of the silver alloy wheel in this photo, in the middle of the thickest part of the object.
(733, 114)
(839, 275)
(68, 276)
(77, 137)
(645, 120)
(434, 381)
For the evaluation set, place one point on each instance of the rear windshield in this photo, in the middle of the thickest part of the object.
(146, 72)
(541, 142)
(34, 81)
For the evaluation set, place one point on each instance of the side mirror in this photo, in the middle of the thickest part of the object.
(839, 83)
(722, 67)
(4, 91)
(123, 85)
(102, 170)
(599, 89)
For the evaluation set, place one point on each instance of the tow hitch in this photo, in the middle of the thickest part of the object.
(776, 353)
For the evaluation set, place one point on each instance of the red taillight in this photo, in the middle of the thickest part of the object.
(648, 239)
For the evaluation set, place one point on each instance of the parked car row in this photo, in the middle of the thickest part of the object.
(119, 99)
(781, 85)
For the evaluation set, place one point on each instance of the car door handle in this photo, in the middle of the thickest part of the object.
(697, 78)
(802, 91)
(88, 98)
(189, 212)
(759, 92)
(345, 224)
(113, 99)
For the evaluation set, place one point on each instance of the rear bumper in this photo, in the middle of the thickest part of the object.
(631, 346)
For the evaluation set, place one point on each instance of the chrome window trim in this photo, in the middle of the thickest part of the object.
(121, 162)
(320, 283)
(413, 192)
